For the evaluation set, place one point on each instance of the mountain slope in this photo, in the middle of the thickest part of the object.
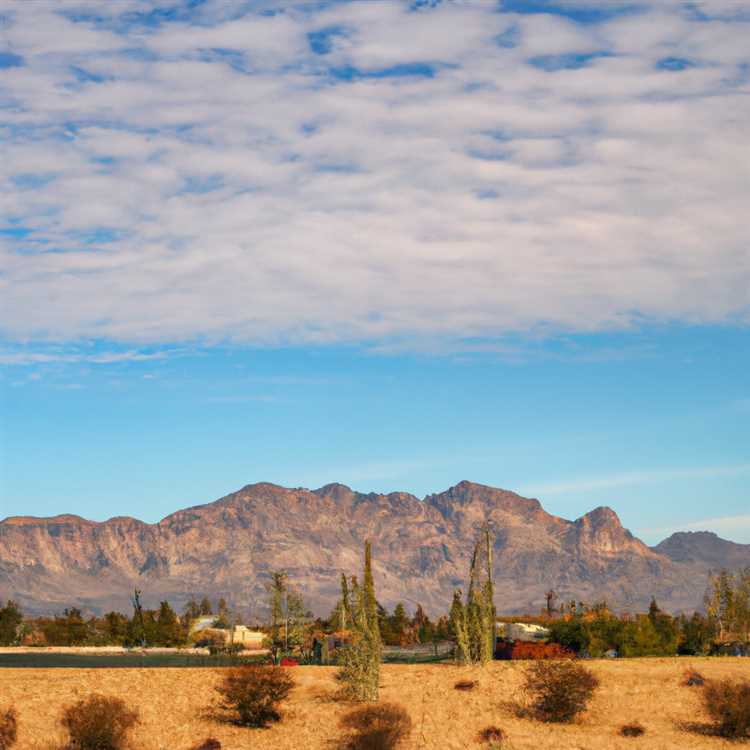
(704, 548)
(421, 550)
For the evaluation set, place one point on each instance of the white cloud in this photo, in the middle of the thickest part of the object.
(220, 184)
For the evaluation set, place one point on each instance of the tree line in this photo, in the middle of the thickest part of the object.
(145, 627)
(585, 629)
(723, 626)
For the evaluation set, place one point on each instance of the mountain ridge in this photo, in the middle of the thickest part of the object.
(229, 546)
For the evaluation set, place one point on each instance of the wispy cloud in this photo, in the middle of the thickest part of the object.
(588, 484)
(358, 171)
(101, 358)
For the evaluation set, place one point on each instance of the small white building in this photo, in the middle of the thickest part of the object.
(522, 631)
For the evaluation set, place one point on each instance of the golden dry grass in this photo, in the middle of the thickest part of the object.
(170, 702)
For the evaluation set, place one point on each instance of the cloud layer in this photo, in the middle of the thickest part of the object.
(371, 170)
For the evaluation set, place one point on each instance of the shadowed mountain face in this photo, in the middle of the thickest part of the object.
(421, 550)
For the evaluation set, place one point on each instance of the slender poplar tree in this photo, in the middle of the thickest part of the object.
(360, 667)
(474, 622)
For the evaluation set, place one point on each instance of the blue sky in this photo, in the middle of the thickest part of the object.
(390, 244)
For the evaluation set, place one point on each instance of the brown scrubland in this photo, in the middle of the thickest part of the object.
(172, 706)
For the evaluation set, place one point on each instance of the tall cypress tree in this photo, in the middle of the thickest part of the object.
(474, 622)
(371, 603)
(345, 615)
(360, 670)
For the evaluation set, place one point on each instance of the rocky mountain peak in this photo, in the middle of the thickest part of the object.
(229, 547)
(335, 490)
(600, 530)
(467, 493)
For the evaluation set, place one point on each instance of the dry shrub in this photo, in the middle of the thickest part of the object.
(465, 684)
(493, 737)
(99, 722)
(728, 704)
(558, 690)
(381, 726)
(252, 694)
(209, 744)
(693, 678)
(632, 730)
(8, 728)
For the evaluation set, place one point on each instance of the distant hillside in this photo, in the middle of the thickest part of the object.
(421, 552)
(704, 548)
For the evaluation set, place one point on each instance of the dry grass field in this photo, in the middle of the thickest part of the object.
(171, 701)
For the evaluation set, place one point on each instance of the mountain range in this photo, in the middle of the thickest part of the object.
(421, 553)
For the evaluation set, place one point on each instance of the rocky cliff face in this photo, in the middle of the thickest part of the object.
(422, 547)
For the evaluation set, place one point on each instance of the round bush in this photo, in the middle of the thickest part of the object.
(558, 690)
(8, 728)
(728, 703)
(98, 722)
(253, 693)
(380, 726)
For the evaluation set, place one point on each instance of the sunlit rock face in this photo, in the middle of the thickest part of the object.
(422, 548)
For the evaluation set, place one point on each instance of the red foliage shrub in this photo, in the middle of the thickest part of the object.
(531, 650)
(287, 661)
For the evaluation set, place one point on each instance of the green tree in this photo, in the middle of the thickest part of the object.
(115, 628)
(360, 667)
(137, 635)
(422, 624)
(341, 617)
(346, 605)
(720, 602)
(399, 623)
(75, 627)
(371, 603)
(742, 605)
(192, 610)
(474, 622)
(204, 607)
(276, 589)
(459, 628)
(10, 622)
(696, 635)
(288, 619)
(572, 634)
(169, 632)
(295, 619)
